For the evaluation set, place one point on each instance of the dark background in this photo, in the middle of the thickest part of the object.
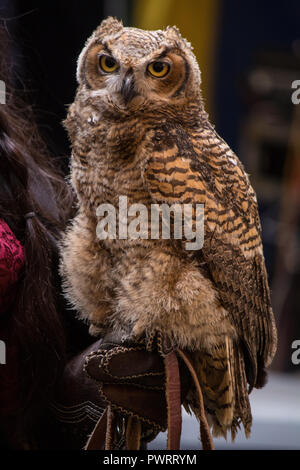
(256, 58)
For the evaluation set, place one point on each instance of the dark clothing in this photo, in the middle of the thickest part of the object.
(76, 405)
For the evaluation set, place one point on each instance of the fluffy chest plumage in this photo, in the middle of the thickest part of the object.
(109, 167)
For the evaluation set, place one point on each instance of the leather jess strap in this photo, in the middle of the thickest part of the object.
(173, 397)
(206, 439)
(174, 402)
(97, 438)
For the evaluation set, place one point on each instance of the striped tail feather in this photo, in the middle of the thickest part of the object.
(221, 374)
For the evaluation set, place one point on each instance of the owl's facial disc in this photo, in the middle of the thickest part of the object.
(126, 81)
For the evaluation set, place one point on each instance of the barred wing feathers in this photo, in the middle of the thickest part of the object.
(200, 168)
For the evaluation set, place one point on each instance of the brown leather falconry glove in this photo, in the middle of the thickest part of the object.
(132, 382)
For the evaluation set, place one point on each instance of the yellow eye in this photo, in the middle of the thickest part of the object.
(107, 64)
(158, 69)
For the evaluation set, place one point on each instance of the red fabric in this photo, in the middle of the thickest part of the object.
(11, 262)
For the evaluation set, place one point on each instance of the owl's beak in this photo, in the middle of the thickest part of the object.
(128, 91)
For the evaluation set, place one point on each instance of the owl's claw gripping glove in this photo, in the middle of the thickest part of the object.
(143, 390)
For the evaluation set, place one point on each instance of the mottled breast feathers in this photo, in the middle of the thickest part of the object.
(200, 168)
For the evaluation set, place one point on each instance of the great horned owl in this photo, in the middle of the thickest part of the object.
(138, 129)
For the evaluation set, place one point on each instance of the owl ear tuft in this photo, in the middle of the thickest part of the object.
(174, 34)
(109, 26)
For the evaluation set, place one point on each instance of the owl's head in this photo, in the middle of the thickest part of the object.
(129, 68)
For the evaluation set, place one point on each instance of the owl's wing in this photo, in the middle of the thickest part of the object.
(201, 168)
